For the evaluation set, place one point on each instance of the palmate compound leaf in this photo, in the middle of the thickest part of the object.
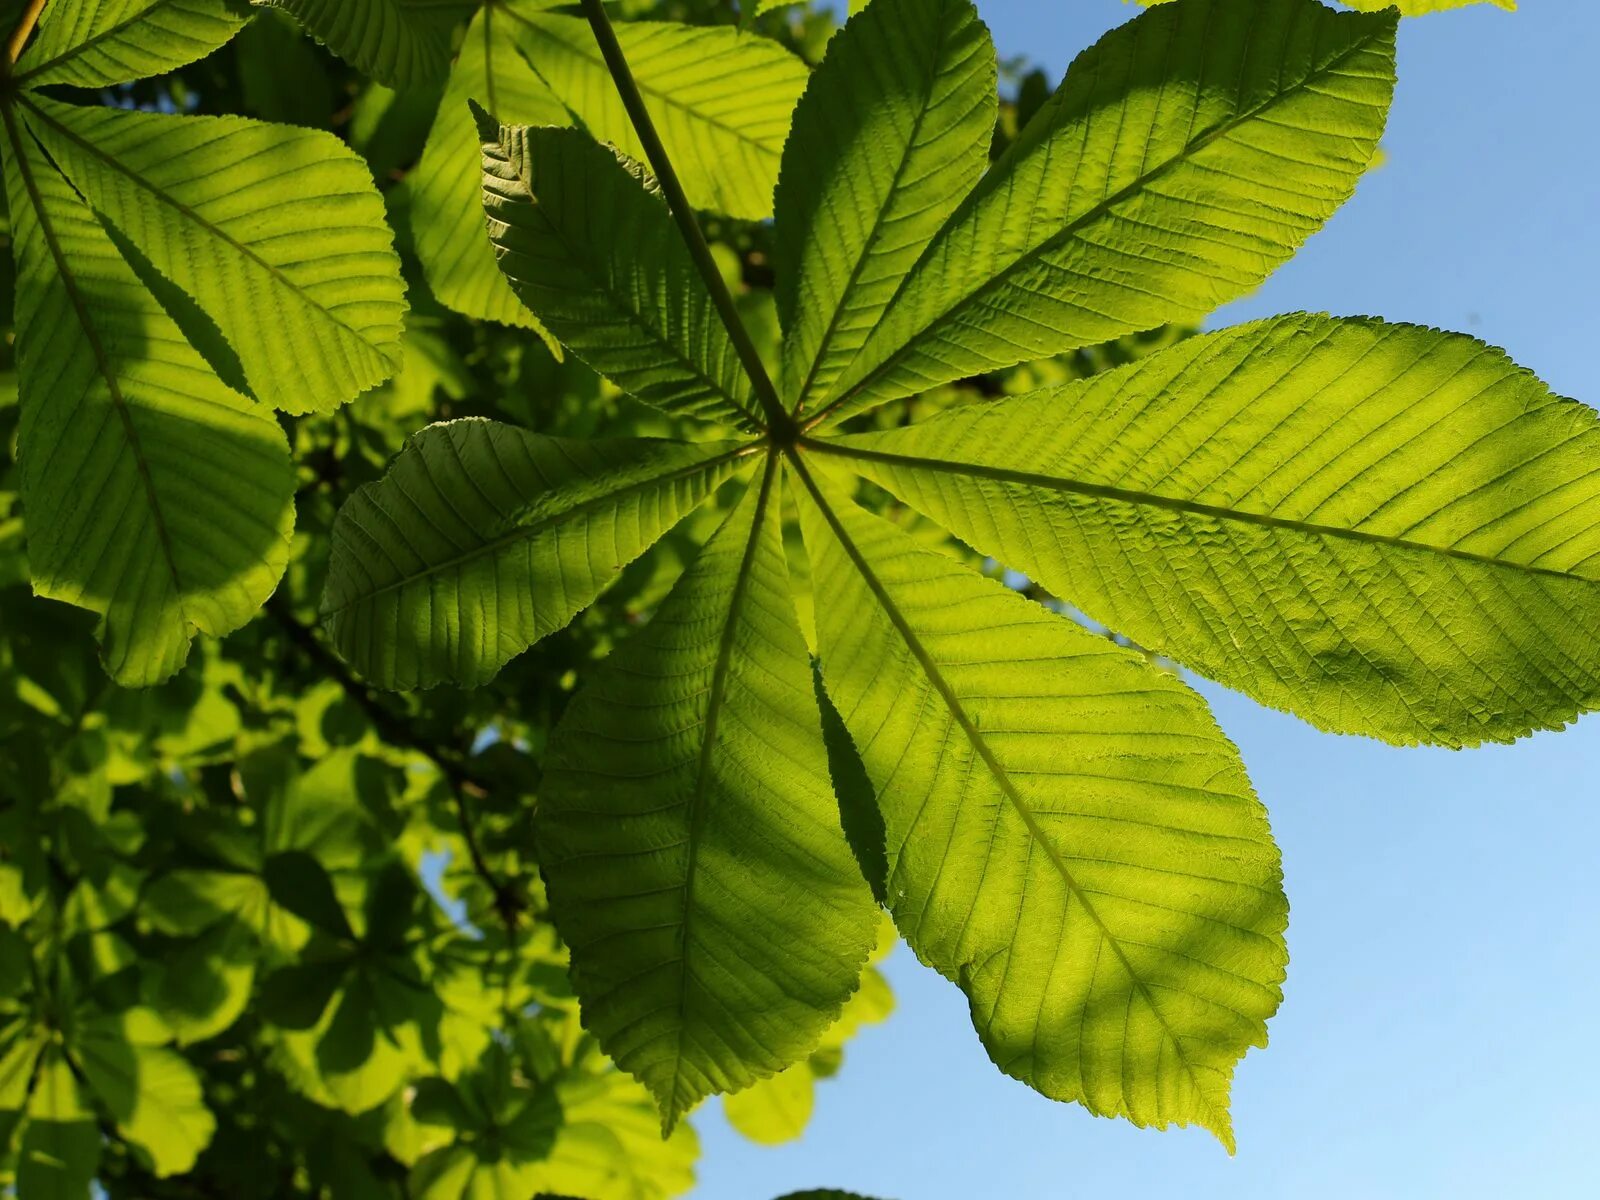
(892, 132)
(151, 1093)
(280, 240)
(1070, 838)
(583, 1133)
(481, 539)
(1383, 528)
(1066, 833)
(689, 836)
(596, 256)
(98, 43)
(1184, 157)
(398, 43)
(155, 495)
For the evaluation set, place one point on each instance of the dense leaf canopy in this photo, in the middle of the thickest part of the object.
(510, 531)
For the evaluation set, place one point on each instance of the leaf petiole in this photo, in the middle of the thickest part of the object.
(780, 425)
(24, 29)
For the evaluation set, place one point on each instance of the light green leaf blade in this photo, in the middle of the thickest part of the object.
(690, 840)
(97, 43)
(1385, 529)
(609, 1145)
(1408, 8)
(1184, 158)
(445, 191)
(152, 1094)
(60, 1148)
(482, 538)
(281, 241)
(155, 496)
(892, 132)
(721, 99)
(1070, 838)
(775, 1110)
(398, 43)
(594, 254)
(20, 1047)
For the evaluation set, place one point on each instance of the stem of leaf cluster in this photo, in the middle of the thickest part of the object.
(459, 778)
(19, 36)
(778, 420)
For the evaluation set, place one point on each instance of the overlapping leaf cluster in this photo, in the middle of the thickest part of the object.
(1384, 528)
(268, 931)
(221, 968)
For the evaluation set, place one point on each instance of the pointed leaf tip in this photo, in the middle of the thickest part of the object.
(488, 125)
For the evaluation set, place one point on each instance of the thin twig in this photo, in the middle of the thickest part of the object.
(24, 29)
(779, 423)
(394, 728)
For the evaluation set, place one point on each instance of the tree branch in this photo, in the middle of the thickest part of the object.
(394, 728)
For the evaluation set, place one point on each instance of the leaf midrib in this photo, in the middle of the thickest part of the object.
(697, 798)
(598, 277)
(1067, 232)
(1100, 491)
(1001, 777)
(534, 528)
(665, 98)
(841, 305)
(214, 230)
(97, 348)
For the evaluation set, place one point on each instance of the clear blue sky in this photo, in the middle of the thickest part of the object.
(1438, 1034)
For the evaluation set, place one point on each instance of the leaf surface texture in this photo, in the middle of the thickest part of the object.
(690, 839)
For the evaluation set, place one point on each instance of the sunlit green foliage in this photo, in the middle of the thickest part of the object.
(558, 430)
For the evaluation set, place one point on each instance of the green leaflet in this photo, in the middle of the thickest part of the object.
(305, 286)
(95, 43)
(481, 539)
(1385, 529)
(396, 42)
(151, 1093)
(690, 840)
(595, 256)
(1070, 838)
(582, 1134)
(60, 1142)
(445, 192)
(893, 130)
(155, 496)
(721, 99)
(1183, 158)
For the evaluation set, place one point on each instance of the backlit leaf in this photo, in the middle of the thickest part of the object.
(1184, 157)
(690, 841)
(1386, 529)
(1070, 838)
(156, 496)
(481, 539)
(304, 283)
